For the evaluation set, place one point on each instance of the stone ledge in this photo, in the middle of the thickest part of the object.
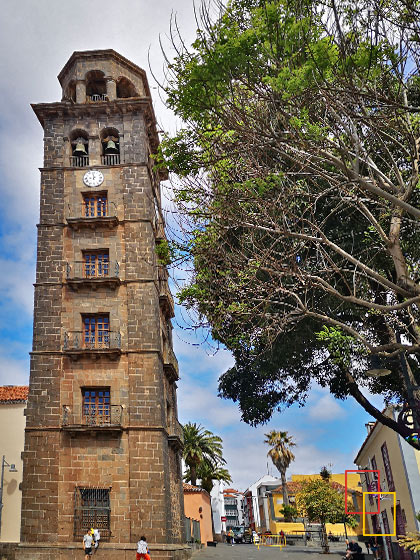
(104, 545)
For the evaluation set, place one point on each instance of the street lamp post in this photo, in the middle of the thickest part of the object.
(12, 468)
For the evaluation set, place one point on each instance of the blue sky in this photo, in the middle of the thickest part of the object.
(36, 40)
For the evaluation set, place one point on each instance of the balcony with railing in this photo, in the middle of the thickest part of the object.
(93, 274)
(105, 418)
(170, 364)
(176, 435)
(111, 159)
(79, 161)
(166, 301)
(97, 98)
(78, 344)
(92, 213)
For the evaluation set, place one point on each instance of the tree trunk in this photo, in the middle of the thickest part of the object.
(373, 411)
(193, 471)
(284, 488)
(324, 539)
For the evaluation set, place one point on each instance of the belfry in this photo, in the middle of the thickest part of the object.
(102, 442)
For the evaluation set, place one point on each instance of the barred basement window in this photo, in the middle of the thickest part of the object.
(92, 508)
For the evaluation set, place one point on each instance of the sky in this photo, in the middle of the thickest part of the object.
(36, 40)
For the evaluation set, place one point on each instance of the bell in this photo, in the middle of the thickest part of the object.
(80, 149)
(111, 148)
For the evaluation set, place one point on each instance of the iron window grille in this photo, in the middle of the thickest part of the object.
(92, 508)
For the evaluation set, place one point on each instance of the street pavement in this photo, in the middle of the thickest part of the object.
(251, 552)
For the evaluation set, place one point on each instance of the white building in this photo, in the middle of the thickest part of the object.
(255, 502)
(218, 508)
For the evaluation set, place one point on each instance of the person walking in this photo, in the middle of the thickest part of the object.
(232, 537)
(142, 549)
(87, 545)
(96, 538)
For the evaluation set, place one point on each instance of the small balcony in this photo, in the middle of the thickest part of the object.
(170, 364)
(79, 344)
(97, 98)
(166, 301)
(111, 159)
(79, 161)
(92, 215)
(108, 418)
(176, 435)
(93, 275)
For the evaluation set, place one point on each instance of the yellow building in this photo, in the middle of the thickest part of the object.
(12, 422)
(275, 501)
(399, 471)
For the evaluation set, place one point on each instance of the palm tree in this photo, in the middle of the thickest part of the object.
(208, 473)
(281, 455)
(200, 445)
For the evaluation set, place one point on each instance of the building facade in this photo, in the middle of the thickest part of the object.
(255, 506)
(102, 441)
(234, 508)
(399, 471)
(218, 509)
(12, 433)
(197, 508)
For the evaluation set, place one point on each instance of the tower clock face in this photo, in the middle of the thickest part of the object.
(93, 178)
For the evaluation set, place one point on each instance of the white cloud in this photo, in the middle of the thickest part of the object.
(13, 371)
(326, 409)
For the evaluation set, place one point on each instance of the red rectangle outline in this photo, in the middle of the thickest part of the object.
(345, 493)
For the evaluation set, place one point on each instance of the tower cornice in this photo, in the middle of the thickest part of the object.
(119, 106)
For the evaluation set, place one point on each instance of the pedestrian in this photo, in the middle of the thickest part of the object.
(87, 545)
(367, 544)
(142, 549)
(96, 538)
(374, 546)
(282, 539)
(232, 537)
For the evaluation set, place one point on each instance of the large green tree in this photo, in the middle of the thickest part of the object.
(201, 446)
(320, 502)
(281, 455)
(299, 195)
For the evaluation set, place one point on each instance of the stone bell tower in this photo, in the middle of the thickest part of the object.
(103, 442)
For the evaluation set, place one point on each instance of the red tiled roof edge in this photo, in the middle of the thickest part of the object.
(191, 488)
(10, 394)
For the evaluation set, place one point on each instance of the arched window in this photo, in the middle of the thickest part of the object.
(96, 86)
(110, 140)
(125, 88)
(71, 92)
(79, 142)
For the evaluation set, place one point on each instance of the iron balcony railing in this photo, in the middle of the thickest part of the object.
(99, 416)
(92, 270)
(79, 161)
(98, 340)
(111, 159)
(92, 208)
(97, 97)
(175, 430)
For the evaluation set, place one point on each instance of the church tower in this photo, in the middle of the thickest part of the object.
(103, 442)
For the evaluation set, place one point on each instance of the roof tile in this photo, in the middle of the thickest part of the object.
(13, 394)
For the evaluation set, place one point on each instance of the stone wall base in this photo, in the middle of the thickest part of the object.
(8, 550)
(106, 551)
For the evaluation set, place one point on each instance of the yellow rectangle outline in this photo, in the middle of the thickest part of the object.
(394, 534)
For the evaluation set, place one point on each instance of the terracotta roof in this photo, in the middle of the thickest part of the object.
(13, 394)
(192, 488)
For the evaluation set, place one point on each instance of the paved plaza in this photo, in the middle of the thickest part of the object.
(251, 552)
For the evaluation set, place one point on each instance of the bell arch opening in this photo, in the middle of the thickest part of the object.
(96, 86)
(125, 88)
(70, 94)
(79, 142)
(110, 142)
